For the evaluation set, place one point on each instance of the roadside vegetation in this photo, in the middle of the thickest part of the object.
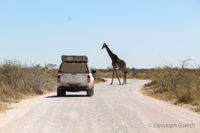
(178, 85)
(132, 73)
(18, 81)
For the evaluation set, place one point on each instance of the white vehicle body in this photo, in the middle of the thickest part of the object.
(80, 79)
(74, 75)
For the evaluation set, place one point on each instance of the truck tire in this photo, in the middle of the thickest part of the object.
(90, 92)
(63, 92)
(60, 92)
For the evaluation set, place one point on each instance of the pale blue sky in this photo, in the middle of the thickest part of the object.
(145, 33)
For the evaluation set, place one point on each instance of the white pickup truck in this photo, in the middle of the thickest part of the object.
(74, 75)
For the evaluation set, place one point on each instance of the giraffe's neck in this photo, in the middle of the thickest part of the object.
(111, 54)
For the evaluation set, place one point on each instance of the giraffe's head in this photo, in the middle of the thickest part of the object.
(104, 46)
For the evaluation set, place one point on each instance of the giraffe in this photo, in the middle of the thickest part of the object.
(117, 63)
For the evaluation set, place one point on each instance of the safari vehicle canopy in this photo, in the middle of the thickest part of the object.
(72, 58)
(73, 64)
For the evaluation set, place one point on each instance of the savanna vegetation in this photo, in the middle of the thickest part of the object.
(178, 85)
(132, 73)
(18, 81)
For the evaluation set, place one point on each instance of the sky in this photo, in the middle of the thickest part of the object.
(144, 33)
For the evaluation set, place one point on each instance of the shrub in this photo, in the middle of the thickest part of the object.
(18, 81)
(176, 83)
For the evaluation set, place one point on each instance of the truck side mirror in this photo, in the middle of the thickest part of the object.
(94, 73)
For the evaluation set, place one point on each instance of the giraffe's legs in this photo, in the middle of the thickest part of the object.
(112, 76)
(125, 74)
(117, 77)
(124, 77)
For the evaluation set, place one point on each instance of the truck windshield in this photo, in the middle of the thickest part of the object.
(74, 67)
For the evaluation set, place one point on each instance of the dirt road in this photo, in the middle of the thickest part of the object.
(113, 109)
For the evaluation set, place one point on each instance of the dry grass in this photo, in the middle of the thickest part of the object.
(132, 73)
(178, 85)
(18, 81)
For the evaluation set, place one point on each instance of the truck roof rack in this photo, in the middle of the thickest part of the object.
(74, 58)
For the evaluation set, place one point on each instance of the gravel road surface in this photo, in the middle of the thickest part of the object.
(113, 109)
